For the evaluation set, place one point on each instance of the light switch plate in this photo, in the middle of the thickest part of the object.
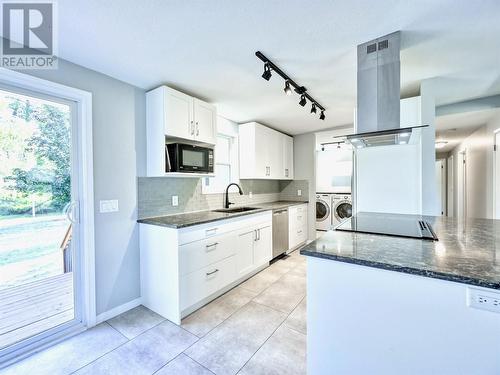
(299, 192)
(108, 206)
(175, 200)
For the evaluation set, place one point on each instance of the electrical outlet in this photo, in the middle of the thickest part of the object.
(250, 195)
(483, 300)
(108, 206)
(175, 200)
(299, 192)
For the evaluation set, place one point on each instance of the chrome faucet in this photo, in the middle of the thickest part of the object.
(226, 202)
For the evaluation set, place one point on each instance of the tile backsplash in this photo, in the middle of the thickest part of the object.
(155, 194)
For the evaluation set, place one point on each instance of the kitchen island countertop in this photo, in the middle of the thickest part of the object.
(466, 252)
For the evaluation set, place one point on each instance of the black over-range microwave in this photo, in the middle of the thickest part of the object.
(181, 157)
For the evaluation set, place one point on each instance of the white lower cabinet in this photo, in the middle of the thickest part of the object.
(244, 253)
(254, 249)
(195, 255)
(201, 283)
(297, 225)
(183, 269)
(261, 247)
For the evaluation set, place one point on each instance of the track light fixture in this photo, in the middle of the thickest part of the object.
(267, 72)
(287, 89)
(289, 84)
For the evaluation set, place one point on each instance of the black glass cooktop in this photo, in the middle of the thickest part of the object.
(412, 226)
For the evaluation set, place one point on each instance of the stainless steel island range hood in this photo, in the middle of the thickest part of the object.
(378, 114)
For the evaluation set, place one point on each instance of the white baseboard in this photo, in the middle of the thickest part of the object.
(117, 310)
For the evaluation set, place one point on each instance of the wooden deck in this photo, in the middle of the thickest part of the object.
(32, 308)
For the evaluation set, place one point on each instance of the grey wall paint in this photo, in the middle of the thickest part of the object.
(304, 154)
(155, 194)
(118, 115)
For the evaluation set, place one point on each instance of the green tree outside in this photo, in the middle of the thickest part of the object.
(35, 139)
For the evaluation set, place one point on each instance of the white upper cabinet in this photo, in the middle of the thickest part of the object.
(205, 118)
(178, 113)
(287, 158)
(265, 153)
(411, 112)
(180, 117)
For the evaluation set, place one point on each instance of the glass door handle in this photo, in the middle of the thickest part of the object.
(69, 211)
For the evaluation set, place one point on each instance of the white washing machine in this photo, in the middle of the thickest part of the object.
(323, 211)
(341, 208)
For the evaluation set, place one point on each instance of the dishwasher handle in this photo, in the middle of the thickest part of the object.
(279, 212)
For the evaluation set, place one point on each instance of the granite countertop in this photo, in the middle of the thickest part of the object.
(201, 217)
(467, 252)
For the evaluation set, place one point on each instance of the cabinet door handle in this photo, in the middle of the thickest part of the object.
(286, 172)
(211, 247)
(211, 232)
(211, 273)
(299, 232)
(197, 129)
(191, 128)
(255, 235)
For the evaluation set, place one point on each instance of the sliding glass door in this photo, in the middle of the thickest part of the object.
(39, 226)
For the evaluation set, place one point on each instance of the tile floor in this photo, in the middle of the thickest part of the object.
(259, 327)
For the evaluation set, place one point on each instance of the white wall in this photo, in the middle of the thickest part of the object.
(430, 203)
(479, 170)
(304, 155)
(333, 164)
(388, 179)
(334, 170)
(119, 156)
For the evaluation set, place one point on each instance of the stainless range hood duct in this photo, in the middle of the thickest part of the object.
(378, 115)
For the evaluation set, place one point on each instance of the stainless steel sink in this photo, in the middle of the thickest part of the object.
(236, 209)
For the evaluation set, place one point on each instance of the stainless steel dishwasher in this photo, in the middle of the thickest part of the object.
(280, 231)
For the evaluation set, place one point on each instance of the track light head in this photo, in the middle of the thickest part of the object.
(313, 108)
(287, 89)
(303, 100)
(322, 116)
(267, 72)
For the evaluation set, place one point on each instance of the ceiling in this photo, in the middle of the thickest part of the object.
(206, 48)
(456, 127)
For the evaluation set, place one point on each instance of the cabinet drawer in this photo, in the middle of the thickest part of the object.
(297, 236)
(202, 283)
(297, 217)
(218, 228)
(199, 254)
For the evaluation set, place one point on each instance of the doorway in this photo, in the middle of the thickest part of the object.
(496, 192)
(462, 185)
(441, 185)
(450, 190)
(46, 214)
